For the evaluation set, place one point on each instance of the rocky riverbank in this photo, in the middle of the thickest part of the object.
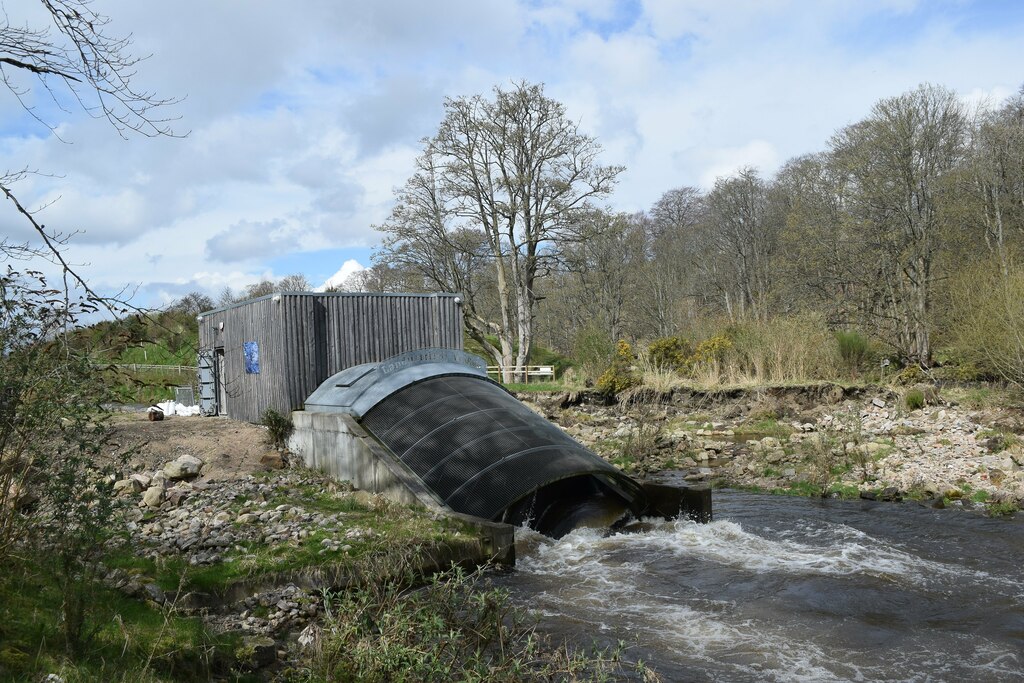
(813, 440)
(249, 545)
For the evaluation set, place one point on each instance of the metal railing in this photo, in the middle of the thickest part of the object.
(535, 371)
(135, 367)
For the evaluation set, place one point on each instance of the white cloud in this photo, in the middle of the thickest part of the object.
(727, 161)
(340, 279)
(301, 123)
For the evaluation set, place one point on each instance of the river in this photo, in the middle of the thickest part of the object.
(792, 589)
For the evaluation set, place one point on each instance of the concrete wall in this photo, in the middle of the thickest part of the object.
(336, 444)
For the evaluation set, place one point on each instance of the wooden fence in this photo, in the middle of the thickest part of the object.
(537, 372)
(136, 367)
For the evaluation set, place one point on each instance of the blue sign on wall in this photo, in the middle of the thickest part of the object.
(252, 357)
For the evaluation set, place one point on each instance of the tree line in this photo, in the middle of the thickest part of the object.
(906, 228)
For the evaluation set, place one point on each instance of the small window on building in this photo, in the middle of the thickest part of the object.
(252, 357)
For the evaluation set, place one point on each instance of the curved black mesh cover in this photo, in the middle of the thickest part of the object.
(478, 447)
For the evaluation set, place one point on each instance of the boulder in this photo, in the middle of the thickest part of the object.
(144, 480)
(176, 495)
(153, 497)
(891, 493)
(126, 487)
(258, 652)
(185, 467)
(273, 461)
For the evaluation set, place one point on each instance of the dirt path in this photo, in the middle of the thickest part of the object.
(229, 449)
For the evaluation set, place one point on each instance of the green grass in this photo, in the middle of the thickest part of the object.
(535, 387)
(979, 496)
(397, 531)
(157, 354)
(1003, 508)
(146, 386)
(133, 641)
(766, 426)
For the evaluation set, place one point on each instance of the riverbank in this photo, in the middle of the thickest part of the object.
(811, 440)
(228, 563)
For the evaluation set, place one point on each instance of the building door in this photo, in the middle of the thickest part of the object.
(222, 394)
(207, 383)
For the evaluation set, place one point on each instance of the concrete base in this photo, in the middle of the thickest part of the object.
(336, 444)
(673, 501)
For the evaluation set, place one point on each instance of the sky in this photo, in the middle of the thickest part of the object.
(298, 120)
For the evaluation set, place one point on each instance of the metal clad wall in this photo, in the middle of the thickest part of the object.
(248, 395)
(304, 338)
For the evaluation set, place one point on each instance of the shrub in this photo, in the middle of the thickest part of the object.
(853, 348)
(454, 628)
(912, 374)
(986, 315)
(914, 399)
(593, 351)
(279, 427)
(784, 349)
(1001, 508)
(670, 353)
(57, 455)
(620, 375)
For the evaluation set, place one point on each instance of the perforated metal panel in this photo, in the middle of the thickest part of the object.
(479, 448)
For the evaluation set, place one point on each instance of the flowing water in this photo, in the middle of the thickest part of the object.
(792, 589)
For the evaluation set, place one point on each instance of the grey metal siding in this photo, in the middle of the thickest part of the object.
(304, 338)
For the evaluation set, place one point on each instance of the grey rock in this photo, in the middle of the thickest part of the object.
(259, 652)
(153, 496)
(185, 467)
(127, 487)
(154, 593)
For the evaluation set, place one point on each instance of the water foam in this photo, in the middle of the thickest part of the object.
(590, 573)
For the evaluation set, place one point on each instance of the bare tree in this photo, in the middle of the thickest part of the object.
(512, 170)
(296, 282)
(744, 234)
(73, 56)
(897, 162)
(677, 266)
(603, 272)
(192, 303)
(997, 175)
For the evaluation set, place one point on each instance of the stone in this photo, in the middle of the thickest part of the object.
(364, 497)
(871, 448)
(153, 496)
(127, 487)
(176, 496)
(154, 593)
(144, 480)
(878, 403)
(221, 518)
(891, 493)
(258, 652)
(185, 467)
(273, 461)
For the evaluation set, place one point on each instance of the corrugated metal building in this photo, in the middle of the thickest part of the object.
(272, 352)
